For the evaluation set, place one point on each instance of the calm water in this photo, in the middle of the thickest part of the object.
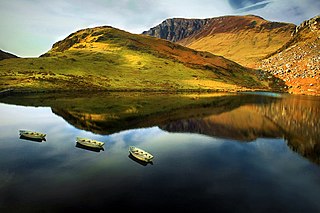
(245, 153)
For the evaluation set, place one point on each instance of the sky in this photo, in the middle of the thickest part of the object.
(29, 28)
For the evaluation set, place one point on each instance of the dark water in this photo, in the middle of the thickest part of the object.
(245, 153)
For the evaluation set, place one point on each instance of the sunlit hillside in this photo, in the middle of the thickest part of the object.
(243, 39)
(105, 58)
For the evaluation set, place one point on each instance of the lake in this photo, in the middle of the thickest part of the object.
(250, 152)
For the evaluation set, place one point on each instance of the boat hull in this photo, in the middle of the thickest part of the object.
(90, 143)
(140, 154)
(32, 134)
(79, 145)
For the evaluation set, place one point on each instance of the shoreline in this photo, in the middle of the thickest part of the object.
(14, 92)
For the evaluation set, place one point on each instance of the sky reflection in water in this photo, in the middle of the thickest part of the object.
(190, 171)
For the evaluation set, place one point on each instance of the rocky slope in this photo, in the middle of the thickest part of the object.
(5, 55)
(298, 61)
(244, 39)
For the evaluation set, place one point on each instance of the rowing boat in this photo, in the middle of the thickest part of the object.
(32, 134)
(140, 154)
(90, 143)
(78, 145)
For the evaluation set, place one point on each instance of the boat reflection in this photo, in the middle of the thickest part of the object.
(32, 139)
(143, 163)
(78, 145)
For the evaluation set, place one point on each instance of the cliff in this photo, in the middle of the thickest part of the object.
(176, 29)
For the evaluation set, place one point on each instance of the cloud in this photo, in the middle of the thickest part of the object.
(30, 27)
(251, 5)
(195, 9)
(293, 11)
(241, 4)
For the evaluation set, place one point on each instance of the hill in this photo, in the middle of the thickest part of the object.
(5, 55)
(297, 62)
(105, 58)
(243, 39)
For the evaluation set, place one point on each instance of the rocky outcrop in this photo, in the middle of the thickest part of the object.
(176, 29)
(297, 62)
(312, 24)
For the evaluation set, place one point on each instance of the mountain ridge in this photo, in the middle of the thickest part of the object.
(243, 39)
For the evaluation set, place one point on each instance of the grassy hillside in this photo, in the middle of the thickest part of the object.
(244, 39)
(105, 58)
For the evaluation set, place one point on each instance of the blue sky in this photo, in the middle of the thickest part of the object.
(30, 27)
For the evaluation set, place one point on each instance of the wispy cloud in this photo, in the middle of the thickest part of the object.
(253, 6)
(30, 27)
(293, 11)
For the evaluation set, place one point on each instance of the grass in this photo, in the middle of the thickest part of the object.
(244, 39)
(105, 58)
(245, 48)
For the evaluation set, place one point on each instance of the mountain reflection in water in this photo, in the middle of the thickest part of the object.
(218, 169)
(293, 118)
(243, 117)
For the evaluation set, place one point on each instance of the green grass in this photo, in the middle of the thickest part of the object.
(148, 72)
(110, 59)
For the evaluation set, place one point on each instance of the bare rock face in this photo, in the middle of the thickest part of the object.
(176, 29)
(312, 24)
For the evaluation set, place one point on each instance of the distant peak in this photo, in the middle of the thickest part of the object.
(256, 16)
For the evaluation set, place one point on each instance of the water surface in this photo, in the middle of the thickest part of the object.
(219, 152)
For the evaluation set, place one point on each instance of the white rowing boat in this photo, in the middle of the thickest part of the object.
(90, 143)
(140, 154)
(32, 134)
